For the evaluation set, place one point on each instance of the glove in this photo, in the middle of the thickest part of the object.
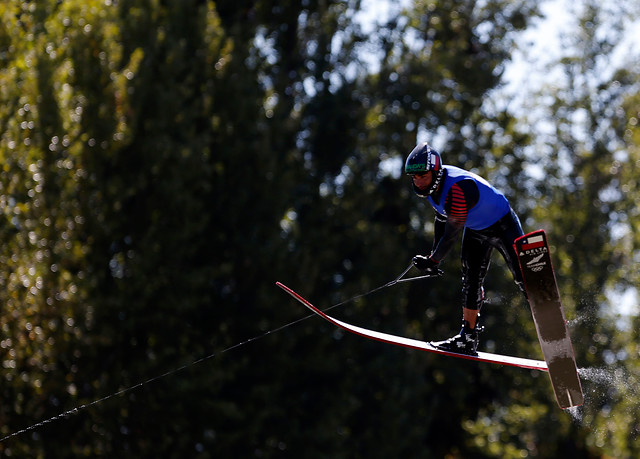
(427, 265)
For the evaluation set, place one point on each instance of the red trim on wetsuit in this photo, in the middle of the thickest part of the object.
(456, 205)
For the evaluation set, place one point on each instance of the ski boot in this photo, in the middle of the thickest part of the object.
(465, 342)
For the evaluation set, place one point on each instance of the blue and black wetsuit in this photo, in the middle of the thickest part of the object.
(468, 203)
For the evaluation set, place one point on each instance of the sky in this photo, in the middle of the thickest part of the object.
(538, 46)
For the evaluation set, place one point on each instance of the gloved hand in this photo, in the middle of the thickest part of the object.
(427, 265)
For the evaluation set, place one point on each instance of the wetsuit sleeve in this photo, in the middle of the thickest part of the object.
(462, 196)
(438, 229)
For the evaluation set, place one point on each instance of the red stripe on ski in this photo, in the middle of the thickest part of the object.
(532, 246)
(416, 344)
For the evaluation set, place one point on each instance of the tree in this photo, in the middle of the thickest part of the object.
(164, 163)
(582, 204)
(105, 192)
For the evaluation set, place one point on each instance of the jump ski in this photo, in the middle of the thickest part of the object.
(548, 316)
(416, 344)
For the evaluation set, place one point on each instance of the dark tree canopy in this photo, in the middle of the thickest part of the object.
(164, 163)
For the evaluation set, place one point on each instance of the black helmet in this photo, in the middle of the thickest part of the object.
(422, 159)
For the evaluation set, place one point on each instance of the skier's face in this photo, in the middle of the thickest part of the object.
(422, 181)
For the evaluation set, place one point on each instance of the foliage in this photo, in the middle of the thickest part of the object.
(164, 163)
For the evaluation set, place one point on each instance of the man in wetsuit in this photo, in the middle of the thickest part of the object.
(464, 202)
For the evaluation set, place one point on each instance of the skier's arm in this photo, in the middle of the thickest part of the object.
(461, 198)
(438, 229)
(428, 264)
(446, 242)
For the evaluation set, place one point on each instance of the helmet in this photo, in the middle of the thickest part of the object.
(422, 159)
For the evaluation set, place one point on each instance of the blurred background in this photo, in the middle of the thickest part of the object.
(164, 163)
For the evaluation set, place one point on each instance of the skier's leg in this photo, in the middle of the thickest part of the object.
(476, 255)
(476, 258)
(509, 230)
